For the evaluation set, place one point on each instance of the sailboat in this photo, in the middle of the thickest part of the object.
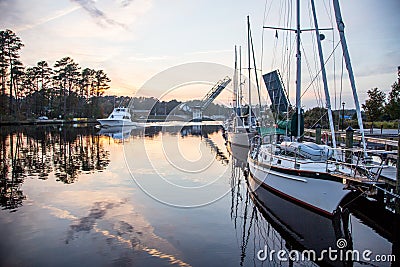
(242, 126)
(311, 175)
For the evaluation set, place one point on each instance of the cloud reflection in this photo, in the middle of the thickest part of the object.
(136, 234)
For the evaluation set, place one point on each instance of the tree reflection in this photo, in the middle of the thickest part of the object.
(39, 151)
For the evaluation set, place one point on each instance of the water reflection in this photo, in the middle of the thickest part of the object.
(38, 151)
(264, 221)
(118, 133)
(69, 152)
(97, 216)
(180, 164)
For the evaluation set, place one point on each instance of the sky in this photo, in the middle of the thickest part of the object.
(134, 41)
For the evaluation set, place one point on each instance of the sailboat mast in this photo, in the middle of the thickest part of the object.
(340, 26)
(235, 86)
(298, 73)
(323, 71)
(240, 96)
(249, 69)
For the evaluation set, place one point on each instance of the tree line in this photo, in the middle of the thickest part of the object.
(67, 152)
(63, 90)
(379, 107)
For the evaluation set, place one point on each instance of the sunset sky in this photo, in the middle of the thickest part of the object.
(133, 40)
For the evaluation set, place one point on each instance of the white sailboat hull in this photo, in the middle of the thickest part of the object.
(240, 139)
(316, 193)
(302, 228)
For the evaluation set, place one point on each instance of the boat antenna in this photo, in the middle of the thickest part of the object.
(340, 27)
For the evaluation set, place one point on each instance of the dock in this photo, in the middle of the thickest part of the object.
(384, 145)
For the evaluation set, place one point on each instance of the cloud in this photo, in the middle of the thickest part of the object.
(44, 20)
(125, 3)
(100, 17)
(150, 58)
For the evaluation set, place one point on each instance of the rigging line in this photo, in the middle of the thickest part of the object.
(288, 20)
(282, 9)
(316, 58)
(274, 53)
(289, 35)
(255, 69)
(320, 119)
(334, 71)
(363, 193)
(326, 61)
(316, 92)
(329, 12)
(316, 62)
(266, 15)
(262, 36)
(288, 76)
(341, 89)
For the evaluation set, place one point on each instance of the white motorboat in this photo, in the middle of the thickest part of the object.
(120, 116)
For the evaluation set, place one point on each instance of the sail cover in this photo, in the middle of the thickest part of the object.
(276, 91)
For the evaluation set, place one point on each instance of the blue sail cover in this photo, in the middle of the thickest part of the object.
(276, 91)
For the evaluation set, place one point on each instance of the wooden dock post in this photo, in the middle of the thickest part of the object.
(349, 143)
(397, 201)
(318, 134)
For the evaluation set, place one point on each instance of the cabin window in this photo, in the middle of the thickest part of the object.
(117, 109)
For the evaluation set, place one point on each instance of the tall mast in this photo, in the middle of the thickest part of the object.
(298, 73)
(340, 26)
(240, 81)
(235, 86)
(322, 62)
(249, 70)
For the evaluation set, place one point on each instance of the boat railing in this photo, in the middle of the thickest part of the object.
(352, 159)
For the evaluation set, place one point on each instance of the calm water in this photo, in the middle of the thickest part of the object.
(166, 195)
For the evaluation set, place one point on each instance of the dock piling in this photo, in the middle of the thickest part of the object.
(318, 134)
(349, 143)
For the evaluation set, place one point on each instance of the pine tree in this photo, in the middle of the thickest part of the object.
(10, 45)
(374, 106)
(393, 106)
(67, 74)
